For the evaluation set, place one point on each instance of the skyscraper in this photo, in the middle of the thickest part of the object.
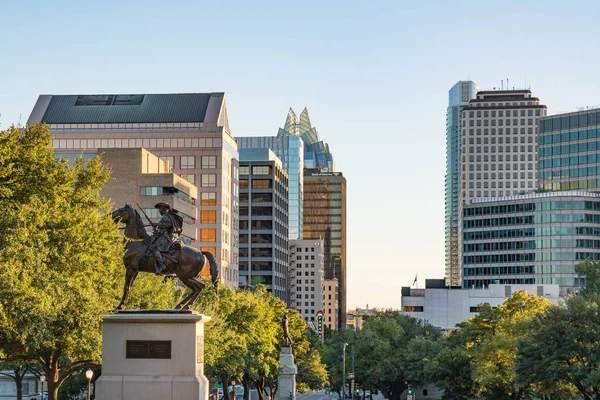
(190, 131)
(325, 217)
(264, 250)
(459, 96)
(290, 150)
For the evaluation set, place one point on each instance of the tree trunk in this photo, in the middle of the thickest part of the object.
(19, 382)
(260, 388)
(246, 385)
(52, 379)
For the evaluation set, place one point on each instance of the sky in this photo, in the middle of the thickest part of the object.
(374, 75)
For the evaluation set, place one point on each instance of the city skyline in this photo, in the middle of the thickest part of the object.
(373, 81)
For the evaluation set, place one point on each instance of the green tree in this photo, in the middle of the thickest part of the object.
(17, 370)
(60, 257)
(563, 352)
(591, 271)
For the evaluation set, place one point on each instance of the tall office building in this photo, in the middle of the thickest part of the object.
(331, 304)
(459, 96)
(264, 249)
(569, 151)
(306, 279)
(290, 150)
(535, 238)
(190, 131)
(325, 217)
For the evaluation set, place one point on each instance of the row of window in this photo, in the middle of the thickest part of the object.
(532, 232)
(522, 269)
(528, 257)
(532, 245)
(569, 122)
(166, 191)
(501, 140)
(501, 113)
(137, 143)
(567, 161)
(533, 219)
(582, 172)
(499, 122)
(528, 207)
(481, 283)
(257, 170)
(569, 148)
(572, 185)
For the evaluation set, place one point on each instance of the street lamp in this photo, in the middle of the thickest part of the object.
(344, 372)
(89, 374)
(42, 380)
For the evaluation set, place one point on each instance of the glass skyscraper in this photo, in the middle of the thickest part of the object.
(290, 150)
(459, 97)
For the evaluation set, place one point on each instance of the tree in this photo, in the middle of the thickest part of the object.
(591, 271)
(563, 351)
(60, 256)
(17, 370)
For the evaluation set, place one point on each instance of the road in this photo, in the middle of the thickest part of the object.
(320, 395)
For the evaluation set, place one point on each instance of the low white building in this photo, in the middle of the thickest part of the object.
(445, 307)
(306, 278)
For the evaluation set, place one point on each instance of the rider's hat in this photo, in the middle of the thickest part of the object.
(162, 204)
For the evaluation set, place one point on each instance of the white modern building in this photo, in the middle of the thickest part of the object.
(444, 306)
(306, 279)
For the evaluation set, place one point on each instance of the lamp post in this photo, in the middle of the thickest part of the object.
(344, 372)
(89, 375)
(42, 380)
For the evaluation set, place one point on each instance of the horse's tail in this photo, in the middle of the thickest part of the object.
(214, 269)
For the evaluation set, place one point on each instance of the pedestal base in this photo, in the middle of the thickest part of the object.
(153, 355)
(286, 379)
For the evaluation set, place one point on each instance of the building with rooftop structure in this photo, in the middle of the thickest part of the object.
(188, 130)
(306, 278)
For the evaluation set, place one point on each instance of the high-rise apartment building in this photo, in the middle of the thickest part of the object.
(499, 144)
(190, 131)
(569, 151)
(306, 279)
(536, 238)
(264, 250)
(325, 218)
(459, 96)
(290, 150)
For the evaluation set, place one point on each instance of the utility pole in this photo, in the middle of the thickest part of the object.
(344, 372)
(353, 376)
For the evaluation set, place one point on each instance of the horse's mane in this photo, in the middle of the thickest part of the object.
(140, 224)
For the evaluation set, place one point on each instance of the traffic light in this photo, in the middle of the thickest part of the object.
(409, 389)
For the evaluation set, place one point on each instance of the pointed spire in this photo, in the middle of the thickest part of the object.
(291, 123)
(305, 124)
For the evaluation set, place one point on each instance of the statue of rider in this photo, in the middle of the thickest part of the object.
(163, 238)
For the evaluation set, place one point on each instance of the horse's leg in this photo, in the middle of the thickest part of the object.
(196, 287)
(130, 276)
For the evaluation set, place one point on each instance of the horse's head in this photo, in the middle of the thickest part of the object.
(123, 214)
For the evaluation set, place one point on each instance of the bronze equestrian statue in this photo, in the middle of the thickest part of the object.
(185, 262)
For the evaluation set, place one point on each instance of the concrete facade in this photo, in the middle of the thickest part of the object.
(307, 279)
(264, 248)
(445, 307)
(190, 131)
(331, 303)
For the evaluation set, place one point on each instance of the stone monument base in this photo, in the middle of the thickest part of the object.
(153, 355)
(286, 379)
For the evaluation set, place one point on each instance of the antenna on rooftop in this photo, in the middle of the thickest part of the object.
(501, 84)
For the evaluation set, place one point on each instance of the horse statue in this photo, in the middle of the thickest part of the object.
(188, 267)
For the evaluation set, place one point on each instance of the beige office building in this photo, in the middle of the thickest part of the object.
(190, 131)
(330, 303)
(306, 278)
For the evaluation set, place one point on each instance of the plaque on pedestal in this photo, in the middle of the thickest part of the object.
(153, 355)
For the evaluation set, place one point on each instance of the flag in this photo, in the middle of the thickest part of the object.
(415, 281)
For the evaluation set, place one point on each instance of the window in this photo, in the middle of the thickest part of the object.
(209, 161)
(208, 217)
(190, 178)
(209, 180)
(262, 170)
(262, 183)
(187, 162)
(413, 309)
(170, 160)
(209, 199)
(211, 250)
(208, 235)
(244, 170)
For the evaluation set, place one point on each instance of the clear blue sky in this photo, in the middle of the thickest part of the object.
(374, 75)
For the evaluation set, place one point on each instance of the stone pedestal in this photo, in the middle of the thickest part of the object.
(153, 355)
(286, 379)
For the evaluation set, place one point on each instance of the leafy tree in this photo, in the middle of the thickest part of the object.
(17, 370)
(563, 351)
(421, 350)
(591, 271)
(60, 257)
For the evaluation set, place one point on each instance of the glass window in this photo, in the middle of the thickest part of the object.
(208, 235)
(262, 170)
(208, 217)
(170, 160)
(209, 199)
(209, 161)
(190, 178)
(209, 180)
(262, 183)
(244, 170)
(187, 162)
